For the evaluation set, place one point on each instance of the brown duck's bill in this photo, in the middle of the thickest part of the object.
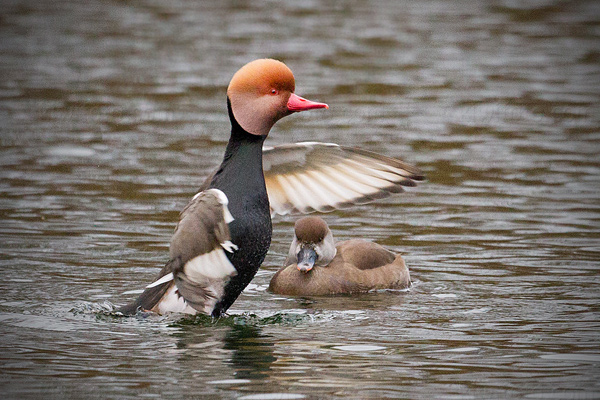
(297, 103)
(306, 259)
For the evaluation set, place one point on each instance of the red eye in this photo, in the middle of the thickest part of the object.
(274, 91)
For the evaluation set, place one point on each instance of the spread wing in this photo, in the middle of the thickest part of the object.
(198, 269)
(200, 242)
(311, 176)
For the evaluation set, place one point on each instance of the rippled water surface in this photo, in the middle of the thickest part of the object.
(113, 112)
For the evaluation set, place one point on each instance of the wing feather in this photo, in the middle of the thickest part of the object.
(200, 242)
(312, 176)
(194, 278)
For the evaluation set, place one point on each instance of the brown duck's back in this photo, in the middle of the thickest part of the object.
(364, 254)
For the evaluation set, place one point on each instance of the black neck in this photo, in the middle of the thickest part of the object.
(241, 171)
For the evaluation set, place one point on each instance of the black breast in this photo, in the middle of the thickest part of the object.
(251, 232)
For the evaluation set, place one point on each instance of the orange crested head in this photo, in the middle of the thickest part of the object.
(261, 77)
(262, 92)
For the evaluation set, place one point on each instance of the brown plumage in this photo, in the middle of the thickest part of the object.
(311, 229)
(356, 266)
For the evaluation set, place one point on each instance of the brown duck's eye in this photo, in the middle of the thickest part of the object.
(274, 91)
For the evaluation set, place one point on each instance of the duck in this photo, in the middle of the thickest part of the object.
(224, 232)
(316, 266)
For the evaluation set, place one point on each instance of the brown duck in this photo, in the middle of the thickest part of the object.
(315, 266)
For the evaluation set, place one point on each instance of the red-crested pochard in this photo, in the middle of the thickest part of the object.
(316, 266)
(225, 231)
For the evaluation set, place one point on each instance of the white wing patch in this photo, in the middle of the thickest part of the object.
(227, 217)
(173, 302)
(213, 265)
(220, 195)
(166, 278)
(309, 144)
(229, 246)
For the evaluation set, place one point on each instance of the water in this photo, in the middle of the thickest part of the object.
(113, 112)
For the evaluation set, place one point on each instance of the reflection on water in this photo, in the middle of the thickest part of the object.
(251, 358)
(112, 113)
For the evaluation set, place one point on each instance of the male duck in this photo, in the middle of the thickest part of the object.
(316, 266)
(225, 231)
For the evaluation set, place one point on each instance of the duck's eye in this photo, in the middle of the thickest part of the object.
(274, 91)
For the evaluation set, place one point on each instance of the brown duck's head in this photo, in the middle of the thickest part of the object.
(262, 92)
(312, 245)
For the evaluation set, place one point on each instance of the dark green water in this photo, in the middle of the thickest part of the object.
(112, 113)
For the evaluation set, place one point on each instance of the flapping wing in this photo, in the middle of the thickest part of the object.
(312, 176)
(199, 244)
(199, 268)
